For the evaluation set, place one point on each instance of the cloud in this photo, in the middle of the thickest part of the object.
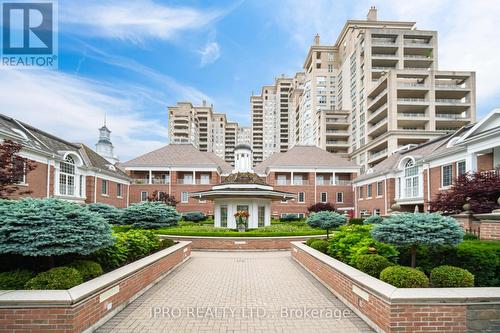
(133, 20)
(73, 108)
(209, 54)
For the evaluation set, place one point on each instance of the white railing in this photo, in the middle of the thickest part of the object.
(385, 55)
(411, 85)
(379, 153)
(411, 100)
(416, 41)
(451, 101)
(378, 124)
(450, 116)
(417, 56)
(412, 115)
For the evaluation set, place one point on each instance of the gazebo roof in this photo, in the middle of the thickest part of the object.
(244, 178)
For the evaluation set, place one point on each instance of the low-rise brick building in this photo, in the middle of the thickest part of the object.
(414, 175)
(64, 170)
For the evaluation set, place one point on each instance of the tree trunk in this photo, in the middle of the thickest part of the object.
(413, 256)
(327, 233)
(50, 261)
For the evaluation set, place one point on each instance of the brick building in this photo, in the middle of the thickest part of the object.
(64, 170)
(413, 176)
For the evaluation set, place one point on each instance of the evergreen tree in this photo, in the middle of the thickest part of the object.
(326, 220)
(51, 227)
(108, 212)
(150, 215)
(413, 229)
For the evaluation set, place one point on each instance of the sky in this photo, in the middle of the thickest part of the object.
(132, 59)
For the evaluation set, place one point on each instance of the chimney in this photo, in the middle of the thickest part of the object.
(372, 14)
(316, 39)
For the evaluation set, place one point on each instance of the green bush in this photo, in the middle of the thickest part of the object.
(348, 236)
(140, 243)
(372, 264)
(374, 219)
(55, 278)
(469, 236)
(356, 221)
(451, 277)
(108, 212)
(289, 218)
(311, 240)
(50, 227)
(326, 220)
(370, 246)
(404, 277)
(321, 245)
(164, 243)
(194, 216)
(150, 215)
(15, 280)
(428, 257)
(88, 269)
(113, 256)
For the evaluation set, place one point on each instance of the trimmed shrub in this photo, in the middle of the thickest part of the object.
(469, 236)
(150, 215)
(48, 227)
(108, 212)
(404, 277)
(451, 277)
(321, 206)
(311, 240)
(370, 246)
(374, 219)
(342, 241)
(481, 258)
(356, 221)
(55, 278)
(326, 220)
(194, 216)
(321, 245)
(140, 243)
(290, 217)
(15, 280)
(88, 269)
(113, 256)
(164, 243)
(372, 264)
(413, 229)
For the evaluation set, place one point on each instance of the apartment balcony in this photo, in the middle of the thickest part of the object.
(412, 115)
(378, 100)
(334, 132)
(417, 43)
(341, 143)
(330, 182)
(337, 121)
(385, 55)
(413, 85)
(378, 128)
(383, 41)
(195, 182)
(378, 114)
(408, 100)
(443, 86)
(451, 116)
(145, 181)
(289, 182)
(377, 156)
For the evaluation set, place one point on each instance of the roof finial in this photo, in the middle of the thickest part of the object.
(105, 118)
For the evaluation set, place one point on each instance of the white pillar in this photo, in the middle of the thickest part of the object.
(471, 162)
(291, 178)
(194, 177)
(333, 179)
(150, 181)
(315, 187)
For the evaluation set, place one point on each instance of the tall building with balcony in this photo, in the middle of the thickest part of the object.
(270, 119)
(205, 130)
(377, 89)
(244, 135)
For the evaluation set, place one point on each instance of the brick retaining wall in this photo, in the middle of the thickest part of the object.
(90, 304)
(241, 243)
(389, 309)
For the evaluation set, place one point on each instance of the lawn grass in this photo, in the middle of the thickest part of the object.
(275, 230)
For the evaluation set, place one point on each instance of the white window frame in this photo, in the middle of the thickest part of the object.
(342, 197)
(23, 181)
(442, 175)
(144, 196)
(465, 167)
(369, 191)
(104, 187)
(64, 187)
(184, 200)
(204, 179)
(298, 180)
(321, 197)
(119, 190)
(303, 199)
(380, 193)
(281, 180)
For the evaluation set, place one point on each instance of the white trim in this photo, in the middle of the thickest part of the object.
(318, 169)
(298, 197)
(442, 186)
(321, 197)
(223, 186)
(176, 168)
(337, 197)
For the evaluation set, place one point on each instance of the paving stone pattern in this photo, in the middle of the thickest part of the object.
(237, 292)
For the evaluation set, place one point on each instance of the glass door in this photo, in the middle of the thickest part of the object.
(243, 208)
(223, 216)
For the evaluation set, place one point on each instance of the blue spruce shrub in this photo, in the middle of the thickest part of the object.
(374, 219)
(108, 212)
(326, 220)
(150, 215)
(50, 227)
(194, 216)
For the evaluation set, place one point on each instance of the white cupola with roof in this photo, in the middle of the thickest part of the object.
(243, 158)
(104, 146)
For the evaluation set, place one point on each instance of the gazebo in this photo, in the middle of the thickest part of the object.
(243, 190)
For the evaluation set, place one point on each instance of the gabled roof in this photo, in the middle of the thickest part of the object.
(93, 159)
(304, 157)
(179, 155)
(490, 123)
(244, 178)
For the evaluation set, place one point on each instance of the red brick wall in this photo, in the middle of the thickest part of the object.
(490, 230)
(485, 162)
(377, 202)
(36, 181)
(86, 313)
(388, 317)
(111, 198)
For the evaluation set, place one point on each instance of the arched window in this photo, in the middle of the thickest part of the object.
(67, 176)
(411, 179)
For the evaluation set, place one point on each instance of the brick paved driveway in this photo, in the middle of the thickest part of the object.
(237, 292)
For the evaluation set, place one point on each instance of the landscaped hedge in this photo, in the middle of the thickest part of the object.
(88, 269)
(108, 212)
(404, 277)
(150, 215)
(55, 278)
(14, 280)
(373, 264)
(451, 277)
(194, 216)
(320, 244)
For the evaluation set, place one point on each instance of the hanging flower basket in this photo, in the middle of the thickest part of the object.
(241, 220)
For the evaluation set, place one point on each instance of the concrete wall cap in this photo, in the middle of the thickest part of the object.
(242, 238)
(86, 289)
